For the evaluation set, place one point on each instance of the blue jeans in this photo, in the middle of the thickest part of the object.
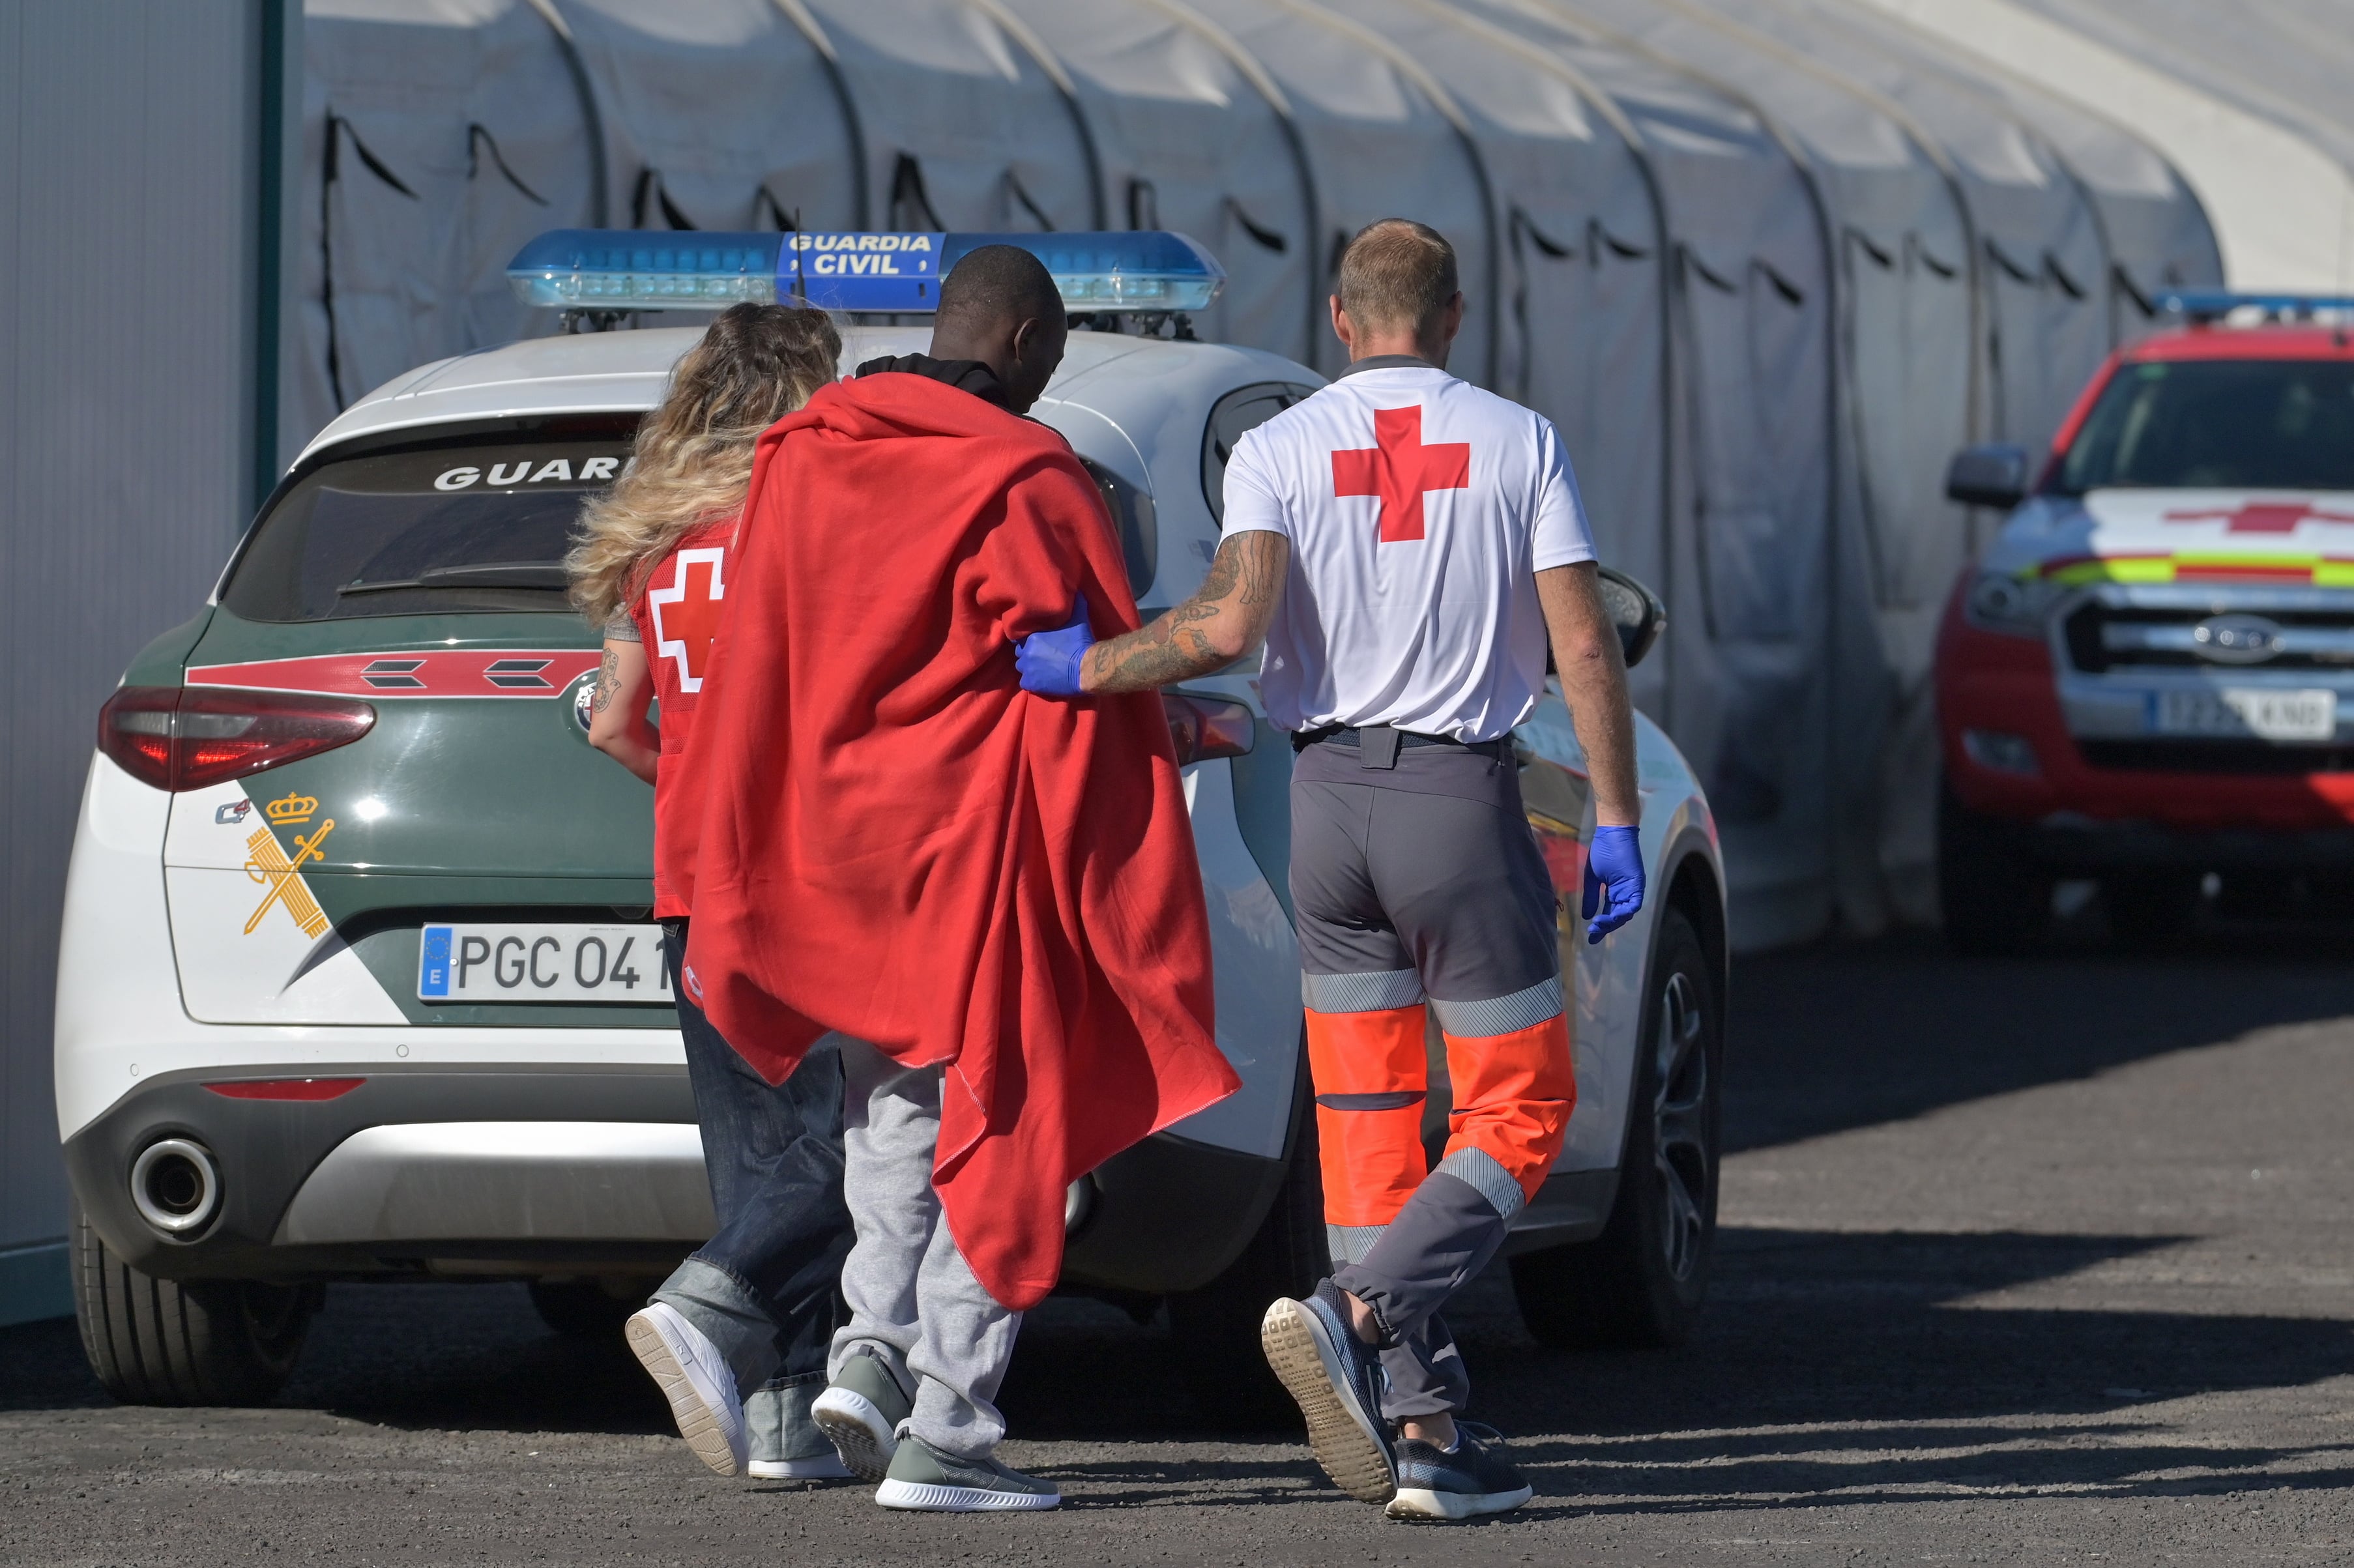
(766, 1288)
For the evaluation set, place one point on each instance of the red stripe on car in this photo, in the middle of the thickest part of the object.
(430, 673)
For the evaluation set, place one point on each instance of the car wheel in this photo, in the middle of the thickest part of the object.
(1639, 1284)
(1994, 899)
(2149, 911)
(198, 1341)
(586, 1307)
(1216, 1327)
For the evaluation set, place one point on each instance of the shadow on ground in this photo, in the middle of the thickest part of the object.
(1842, 1035)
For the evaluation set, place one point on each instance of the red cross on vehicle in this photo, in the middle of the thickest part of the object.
(2262, 516)
(686, 614)
(1398, 468)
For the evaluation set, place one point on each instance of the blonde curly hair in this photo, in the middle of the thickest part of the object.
(694, 454)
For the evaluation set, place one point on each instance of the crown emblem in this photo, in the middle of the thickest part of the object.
(292, 808)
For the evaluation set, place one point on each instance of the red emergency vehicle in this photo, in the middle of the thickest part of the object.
(2148, 677)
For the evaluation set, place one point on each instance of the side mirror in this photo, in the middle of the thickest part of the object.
(1635, 610)
(1987, 476)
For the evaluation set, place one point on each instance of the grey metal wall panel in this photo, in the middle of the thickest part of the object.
(127, 246)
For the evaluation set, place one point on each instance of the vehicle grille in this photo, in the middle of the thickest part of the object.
(2102, 637)
(2242, 757)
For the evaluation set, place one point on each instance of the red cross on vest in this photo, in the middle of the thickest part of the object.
(1398, 468)
(2262, 516)
(686, 612)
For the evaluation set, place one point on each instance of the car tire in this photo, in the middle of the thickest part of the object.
(198, 1341)
(1639, 1284)
(2151, 911)
(1995, 900)
(585, 1309)
(1216, 1327)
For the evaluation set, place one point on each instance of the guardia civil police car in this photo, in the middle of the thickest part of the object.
(2148, 678)
(357, 979)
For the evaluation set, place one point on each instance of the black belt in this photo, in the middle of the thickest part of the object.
(1382, 737)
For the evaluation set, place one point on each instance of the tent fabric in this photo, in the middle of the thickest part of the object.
(1765, 262)
(1382, 140)
(1193, 135)
(777, 152)
(436, 133)
(1747, 569)
(966, 120)
(2259, 182)
(1580, 301)
(2154, 229)
(2261, 56)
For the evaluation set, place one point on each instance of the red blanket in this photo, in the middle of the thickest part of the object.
(898, 842)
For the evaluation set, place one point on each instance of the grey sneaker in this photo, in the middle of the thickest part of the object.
(1337, 1380)
(1472, 1478)
(694, 1377)
(787, 1444)
(860, 1411)
(923, 1478)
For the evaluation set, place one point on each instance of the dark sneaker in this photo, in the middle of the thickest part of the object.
(861, 1411)
(787, 1444)
(694, 1377)
(1473, 1480)
(1337, 1380)
(923, 1478)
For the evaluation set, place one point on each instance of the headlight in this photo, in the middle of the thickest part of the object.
(2002, 601)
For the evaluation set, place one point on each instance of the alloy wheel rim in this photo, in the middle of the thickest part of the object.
(1679, 1130)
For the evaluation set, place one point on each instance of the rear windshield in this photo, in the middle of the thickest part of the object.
(409, 533)
(2258, 424)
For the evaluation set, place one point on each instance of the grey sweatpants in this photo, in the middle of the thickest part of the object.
(914, 1302)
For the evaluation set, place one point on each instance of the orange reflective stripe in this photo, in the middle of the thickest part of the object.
(1513, 1096)
(1371, 1160)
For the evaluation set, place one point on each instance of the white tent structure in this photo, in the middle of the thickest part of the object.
(438, 135)
(2154, 229)
(2276, 200)
(1748, 572)
(782, 154)
(1580, 301)
(1765, 262)
(1382, 137)
(968, 122)
(1194, 135)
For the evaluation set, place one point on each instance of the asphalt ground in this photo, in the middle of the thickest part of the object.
(2030, 1261)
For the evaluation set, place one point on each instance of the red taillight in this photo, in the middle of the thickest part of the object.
(287, 1088)
(1203, 727)
(186, 737)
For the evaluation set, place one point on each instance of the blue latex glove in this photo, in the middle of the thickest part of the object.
(1049, 661)
(1614, 863)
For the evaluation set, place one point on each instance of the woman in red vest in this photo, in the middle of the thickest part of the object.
(738, 1336)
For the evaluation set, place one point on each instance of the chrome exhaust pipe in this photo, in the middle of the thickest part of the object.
(175, 1185)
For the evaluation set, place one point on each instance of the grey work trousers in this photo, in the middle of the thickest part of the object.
(914, 1302)
(1418, 884)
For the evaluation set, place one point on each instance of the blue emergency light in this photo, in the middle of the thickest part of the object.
(2214, 304)
(643, 270)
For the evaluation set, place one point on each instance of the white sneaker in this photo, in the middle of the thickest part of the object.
(694, 1376)
(826, 1467)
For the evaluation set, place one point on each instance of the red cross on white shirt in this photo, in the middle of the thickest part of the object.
(1398, 468)
(684, 632)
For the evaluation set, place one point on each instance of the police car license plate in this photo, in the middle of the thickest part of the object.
(542, 963)
(2236, 713)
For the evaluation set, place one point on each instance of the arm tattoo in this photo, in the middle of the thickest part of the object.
(1245, 575)
(609, 683)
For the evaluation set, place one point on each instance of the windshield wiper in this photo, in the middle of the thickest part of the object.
(547, 574)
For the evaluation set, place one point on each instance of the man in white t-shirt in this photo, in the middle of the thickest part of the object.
(1406, 543)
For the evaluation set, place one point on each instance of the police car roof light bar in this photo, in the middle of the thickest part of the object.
(615, 271)
(2205, 305)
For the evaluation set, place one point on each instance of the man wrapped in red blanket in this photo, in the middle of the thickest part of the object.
(992, 898)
